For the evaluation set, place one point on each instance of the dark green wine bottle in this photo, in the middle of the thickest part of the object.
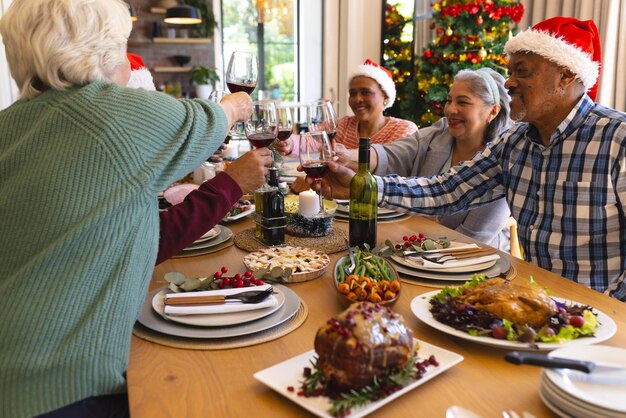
(363, 201)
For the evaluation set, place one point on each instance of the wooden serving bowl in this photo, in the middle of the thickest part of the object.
(346, 301)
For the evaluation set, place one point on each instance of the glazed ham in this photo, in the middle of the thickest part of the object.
(365, 341)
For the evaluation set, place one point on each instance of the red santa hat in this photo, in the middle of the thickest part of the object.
(566, 41)
(140, 76)
(381, 75)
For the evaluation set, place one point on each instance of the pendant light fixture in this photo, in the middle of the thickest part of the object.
(183, 14)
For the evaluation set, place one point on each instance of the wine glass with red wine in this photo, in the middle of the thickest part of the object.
(262, 127)
(315, 154)
(241, 75)
(242, 72)
(321, 117)
(285, 122)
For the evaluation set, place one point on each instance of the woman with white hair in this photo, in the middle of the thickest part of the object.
(82, 162)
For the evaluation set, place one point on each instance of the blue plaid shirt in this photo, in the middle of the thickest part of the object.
(569, 197)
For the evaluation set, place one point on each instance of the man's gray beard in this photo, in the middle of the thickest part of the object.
(518, 116)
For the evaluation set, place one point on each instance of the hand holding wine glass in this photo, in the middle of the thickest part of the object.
(237, 107)
(315, 155)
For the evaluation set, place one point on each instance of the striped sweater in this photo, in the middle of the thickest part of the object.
(79, 174)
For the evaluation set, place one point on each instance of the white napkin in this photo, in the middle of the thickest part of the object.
(460, 263)
(220, 308)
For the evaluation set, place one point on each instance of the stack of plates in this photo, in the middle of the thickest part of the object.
(218, 325)
(568, 396)
(384, 214)
(444, 275)
(216, 236)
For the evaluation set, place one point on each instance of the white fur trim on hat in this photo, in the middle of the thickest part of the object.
(558, 51)
(381, 77)
(141, 78)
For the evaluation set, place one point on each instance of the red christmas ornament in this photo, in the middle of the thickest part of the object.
(479, 20)
(469, 55)
(474, 60)
(428, 54)
(439, 31)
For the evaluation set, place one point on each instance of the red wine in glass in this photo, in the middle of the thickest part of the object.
(234, 87)
(284, 134)
(261, 140)
(315, 169)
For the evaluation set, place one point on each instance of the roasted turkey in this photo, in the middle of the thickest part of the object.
(521, 303)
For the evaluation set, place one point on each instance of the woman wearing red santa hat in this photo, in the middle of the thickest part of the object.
(371, 91)
(83, 160)
(561, 169)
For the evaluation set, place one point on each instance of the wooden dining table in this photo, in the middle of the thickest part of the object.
(173, 382)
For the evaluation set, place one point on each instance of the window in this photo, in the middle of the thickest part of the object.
(268, 28)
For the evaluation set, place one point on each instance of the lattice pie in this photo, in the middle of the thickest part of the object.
(300, 260)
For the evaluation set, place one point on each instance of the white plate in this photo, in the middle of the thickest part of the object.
(211, 233)
(550, 404)
(420, 306)
(569, 406)
(239, 215)
(460, 269)
(609, 397)
(502, 266)
(289, 373)
(150, 319)
(216, 320)
(381, 211)
(223, 235)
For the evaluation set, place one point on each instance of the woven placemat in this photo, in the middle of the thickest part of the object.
(331, 243)
(440, 284)
(203, 251)
(224, 343)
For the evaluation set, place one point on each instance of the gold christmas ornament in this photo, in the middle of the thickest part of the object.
(449, 31)
(482, 53)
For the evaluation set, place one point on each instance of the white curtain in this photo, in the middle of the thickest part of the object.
(8, 89)
(608, 16)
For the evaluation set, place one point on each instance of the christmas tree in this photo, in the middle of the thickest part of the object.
(469, 34)
(398, 58)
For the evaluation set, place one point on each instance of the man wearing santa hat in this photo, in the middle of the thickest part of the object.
(562, 169)
(203, 208)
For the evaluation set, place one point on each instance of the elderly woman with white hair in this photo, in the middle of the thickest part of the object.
(83, 160)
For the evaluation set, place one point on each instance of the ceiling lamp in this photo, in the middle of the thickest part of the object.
(183, 14)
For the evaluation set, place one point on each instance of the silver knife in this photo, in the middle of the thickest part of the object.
(517, 357)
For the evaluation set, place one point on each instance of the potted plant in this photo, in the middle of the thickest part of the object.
(204, 78)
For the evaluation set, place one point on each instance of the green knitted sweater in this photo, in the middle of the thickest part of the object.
(79, 176)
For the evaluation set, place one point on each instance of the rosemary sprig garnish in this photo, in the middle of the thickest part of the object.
(314, 384)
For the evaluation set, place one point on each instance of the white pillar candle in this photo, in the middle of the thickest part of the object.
(308, 203)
